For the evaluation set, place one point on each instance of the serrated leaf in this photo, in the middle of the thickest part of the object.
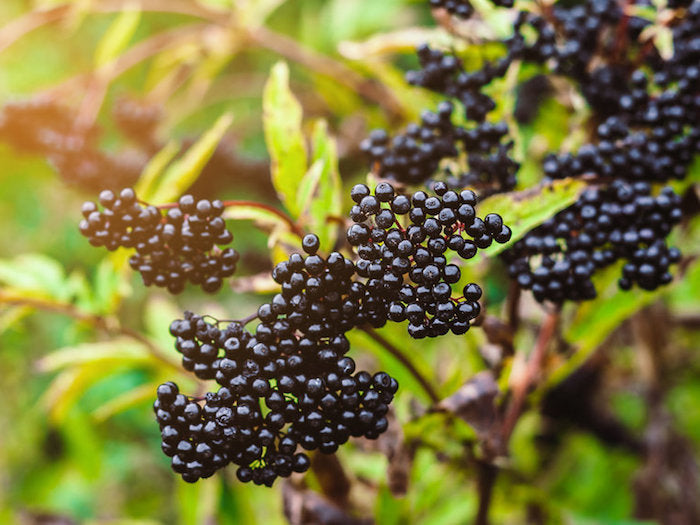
(182, 173)
(129, 399)
(282, 117)
(146, 186)
(525, 210)
(118, 35)
(114, 351)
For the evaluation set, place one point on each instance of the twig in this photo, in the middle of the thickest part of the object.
(399, 355)
(21, 26)
(534, 366)
(98, 322)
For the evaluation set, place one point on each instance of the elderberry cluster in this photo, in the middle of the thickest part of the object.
(172, 249)
(290, 383)
(414, 156)
(391, 254)
(279, 389)
(647, 109)
(619, 221)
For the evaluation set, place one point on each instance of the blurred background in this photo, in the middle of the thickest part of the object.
(94, 93)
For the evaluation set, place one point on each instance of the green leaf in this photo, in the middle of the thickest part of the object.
(147, 184)
(182, 173)
(282, 116)
(109, 284)
(118, 35)
(595, 320)
(663, 41)
(158, 314)
(522, 211)
(196, 502)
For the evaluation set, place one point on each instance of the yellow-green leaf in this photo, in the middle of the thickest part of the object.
(147, 184)
(114, 351)
(260, 216)
(282, 117)
(118, 35)
(182, 173)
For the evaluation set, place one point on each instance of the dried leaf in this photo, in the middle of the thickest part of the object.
(475, 403)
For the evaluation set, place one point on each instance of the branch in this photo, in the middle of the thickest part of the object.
(486, 479)
(98, 322)
(534, 367)
(398, 354)
(327, 66)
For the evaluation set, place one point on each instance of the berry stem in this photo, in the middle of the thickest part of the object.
(399, 355)
(245, 320)
(286, 218)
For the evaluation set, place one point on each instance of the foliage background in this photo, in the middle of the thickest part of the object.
(83, 344)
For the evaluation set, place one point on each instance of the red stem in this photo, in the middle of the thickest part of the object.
(534, 367)
(253, 204)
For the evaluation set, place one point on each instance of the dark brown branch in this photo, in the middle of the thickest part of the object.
(486, 479)
(407, 364)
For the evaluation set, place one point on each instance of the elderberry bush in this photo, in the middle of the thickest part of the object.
(174, 246)
(645, 110)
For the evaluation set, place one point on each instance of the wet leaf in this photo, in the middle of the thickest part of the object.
(525, 210)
